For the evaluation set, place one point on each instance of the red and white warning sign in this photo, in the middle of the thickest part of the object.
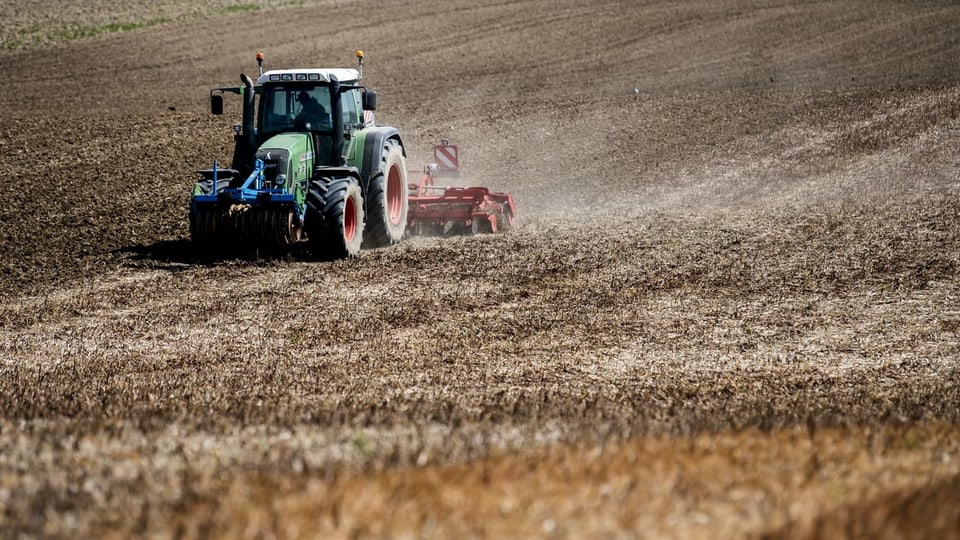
(447, 157)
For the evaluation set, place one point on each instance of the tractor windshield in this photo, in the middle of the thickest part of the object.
(295, 108)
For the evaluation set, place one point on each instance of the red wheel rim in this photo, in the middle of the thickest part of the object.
(349, 219)
(394, 195)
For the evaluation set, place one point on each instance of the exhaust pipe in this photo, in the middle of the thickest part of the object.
(336, 112)
(249, 136)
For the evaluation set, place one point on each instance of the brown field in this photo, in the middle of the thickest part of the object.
(730, 308)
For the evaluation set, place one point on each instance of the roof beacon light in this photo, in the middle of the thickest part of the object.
(359, 54)
(260, 62)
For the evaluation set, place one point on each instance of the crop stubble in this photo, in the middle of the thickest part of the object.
(731, 304)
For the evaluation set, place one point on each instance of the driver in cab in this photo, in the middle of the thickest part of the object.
(311, 111)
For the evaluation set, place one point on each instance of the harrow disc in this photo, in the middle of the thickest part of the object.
(242, 226)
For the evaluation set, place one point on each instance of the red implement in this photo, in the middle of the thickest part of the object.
(438, 210)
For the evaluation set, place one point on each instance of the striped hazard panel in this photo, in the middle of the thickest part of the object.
(447, 157)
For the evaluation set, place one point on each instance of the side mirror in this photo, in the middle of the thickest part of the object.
(216, 104)
(369, 100)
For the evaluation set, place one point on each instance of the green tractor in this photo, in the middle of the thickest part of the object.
(309, 164)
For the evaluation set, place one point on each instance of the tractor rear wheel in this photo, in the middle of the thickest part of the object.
(334, 217)
(386, 199)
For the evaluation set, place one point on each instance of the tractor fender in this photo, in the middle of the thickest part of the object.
(374, 141)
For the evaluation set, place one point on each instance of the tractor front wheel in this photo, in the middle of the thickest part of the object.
(334, 217)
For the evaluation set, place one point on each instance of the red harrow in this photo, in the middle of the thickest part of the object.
(443, 210)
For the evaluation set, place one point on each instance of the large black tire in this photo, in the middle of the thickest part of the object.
(386, 199)
(334, 217)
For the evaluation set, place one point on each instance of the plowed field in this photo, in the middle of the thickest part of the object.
(730, 307)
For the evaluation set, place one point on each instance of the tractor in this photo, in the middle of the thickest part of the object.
(309, 165)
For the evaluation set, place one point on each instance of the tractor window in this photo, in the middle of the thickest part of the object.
(349, 100)
(295, 107)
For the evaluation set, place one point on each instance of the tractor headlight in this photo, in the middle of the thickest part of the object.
(281, 180)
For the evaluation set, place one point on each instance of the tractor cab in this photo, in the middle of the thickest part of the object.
(324, 106)
(327, 104)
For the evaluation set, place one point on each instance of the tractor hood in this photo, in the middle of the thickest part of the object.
(288, 154)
